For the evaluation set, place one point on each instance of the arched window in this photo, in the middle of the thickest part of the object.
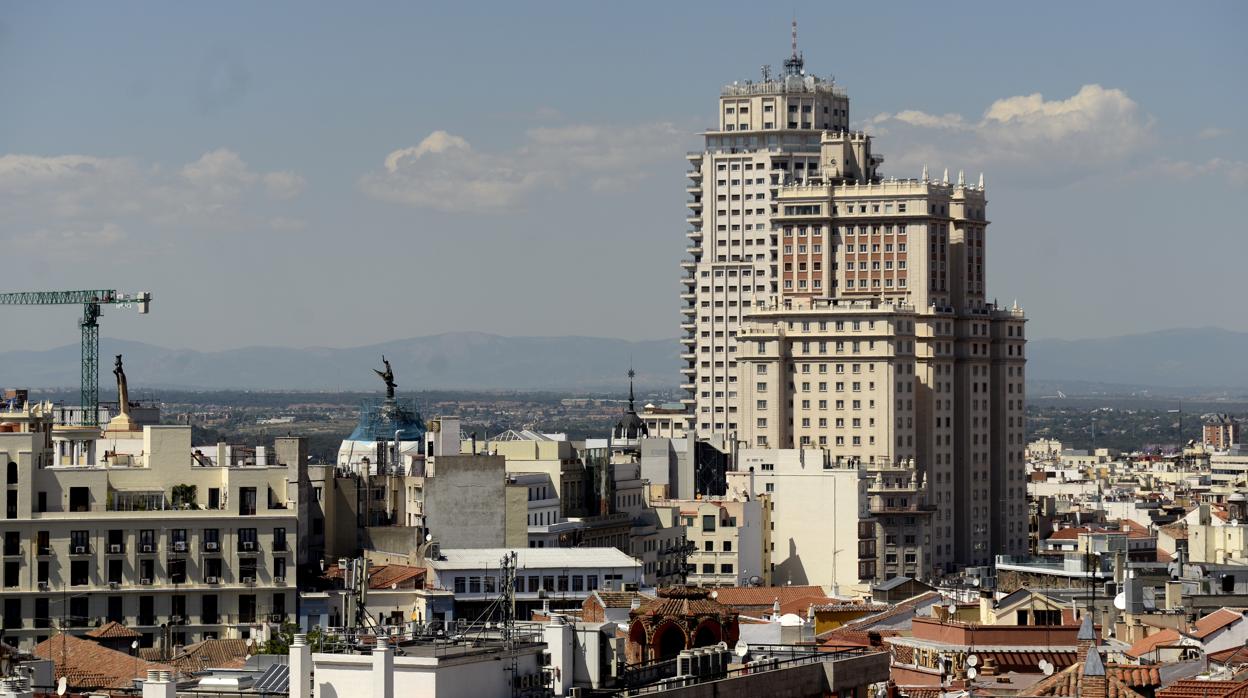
(12, 473)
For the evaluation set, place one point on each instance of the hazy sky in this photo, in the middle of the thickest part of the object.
(340, 174)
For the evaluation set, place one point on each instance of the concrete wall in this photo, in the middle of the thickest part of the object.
(462, 500)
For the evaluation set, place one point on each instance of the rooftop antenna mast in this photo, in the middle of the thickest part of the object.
(794, 64)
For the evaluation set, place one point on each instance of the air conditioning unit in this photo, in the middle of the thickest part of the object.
(276, 617)
(211, 580)
(145, 582)
(249, 580)
(43, 586)
(148, 548)
(211, 545)
(279, 580)
(248, 545)
(179, 546)
(80, 549)
(114, 585)
(114, 547)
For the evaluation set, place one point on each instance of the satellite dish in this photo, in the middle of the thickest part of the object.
(971, 673)
(428, 537)
(951, 608)
(1046, 667)
(1120, 601)
(741, 649)
(1234, 522)
(714, 594)
(134, 645)
(972, 660)
(975, 581)
(61, 684)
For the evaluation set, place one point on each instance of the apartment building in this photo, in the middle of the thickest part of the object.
(138, 527)
(730, 540)
(767, 134)
(818, 517)
(820, 263)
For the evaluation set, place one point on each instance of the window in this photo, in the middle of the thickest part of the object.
(708, 522)
(79, 573)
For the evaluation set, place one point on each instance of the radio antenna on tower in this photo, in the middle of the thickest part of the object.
(794, 64)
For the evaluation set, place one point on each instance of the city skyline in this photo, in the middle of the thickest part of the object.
(316, 168)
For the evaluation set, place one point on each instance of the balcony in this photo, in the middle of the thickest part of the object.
(80, 549)
(116, 549)
(279, 546)
(178, 546)
(694, 220)
(15, 551)
(249, 547)
(695, 235)
(212, 546)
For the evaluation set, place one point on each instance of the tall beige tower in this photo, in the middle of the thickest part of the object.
(827, 306)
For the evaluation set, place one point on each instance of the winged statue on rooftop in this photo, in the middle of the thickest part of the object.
(387, 376)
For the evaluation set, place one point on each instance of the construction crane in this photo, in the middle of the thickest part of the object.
(91, 302)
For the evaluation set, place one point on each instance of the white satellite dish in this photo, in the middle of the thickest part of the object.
(61, 685)
(976, 581)
(951, 608)
(971, 673)
(1120, 601)
(972, 660)
(714, 594)
(741, 649)
(1046, 667)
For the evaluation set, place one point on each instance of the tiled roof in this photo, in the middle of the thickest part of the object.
(1216, 621)
(212, 654)
(112, 630)
(1140, 676)
(1237, 655)
(1195, 688)
(1165, 638)
(380, 577)
(395, 574)
(620, 599)
(1177, 530)
(1069, 681)
(683, 602)
(89, 665)
(801, 605)
(765, 596)
(907, 606)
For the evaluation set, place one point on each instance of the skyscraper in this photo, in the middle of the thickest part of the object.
(830, 307)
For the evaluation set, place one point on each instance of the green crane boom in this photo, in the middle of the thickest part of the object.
(90, 302)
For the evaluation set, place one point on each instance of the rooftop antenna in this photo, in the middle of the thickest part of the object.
(794, 64)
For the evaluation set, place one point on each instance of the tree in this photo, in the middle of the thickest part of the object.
(184, 496)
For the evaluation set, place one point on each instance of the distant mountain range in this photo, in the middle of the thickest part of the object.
(456, 360)
(1182, 358)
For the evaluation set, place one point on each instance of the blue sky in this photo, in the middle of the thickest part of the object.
(317, 174)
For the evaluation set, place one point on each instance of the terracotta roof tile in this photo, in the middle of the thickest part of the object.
(1165, 638)
(1194, 688)
(1216, 621)
(225, 653)
(112, 630)
(89, 665)
(765, 596)
(1235, 655)
(620, 599)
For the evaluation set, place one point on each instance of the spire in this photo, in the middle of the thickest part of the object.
(631, 373)
(981, 181)
(961, 178)
(925, 178)
(1086, 631)
(945, 179)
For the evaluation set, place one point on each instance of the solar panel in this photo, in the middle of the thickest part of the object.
(275, 679)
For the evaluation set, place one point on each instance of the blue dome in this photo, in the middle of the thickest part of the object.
(381, 419)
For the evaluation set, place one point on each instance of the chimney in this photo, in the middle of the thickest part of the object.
(159, 685)
(300, 667)
(383, 669)
(986, 607)
(1094, 684)
(1085, 639)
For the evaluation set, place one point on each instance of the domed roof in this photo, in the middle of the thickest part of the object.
(388, 419)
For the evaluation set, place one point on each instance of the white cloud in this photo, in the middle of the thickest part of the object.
(1066, 138)
(446, 173)
(68, 243)
(1210, 132)
(62, 199)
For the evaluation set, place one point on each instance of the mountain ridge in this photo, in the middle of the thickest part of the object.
(1171, 358)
